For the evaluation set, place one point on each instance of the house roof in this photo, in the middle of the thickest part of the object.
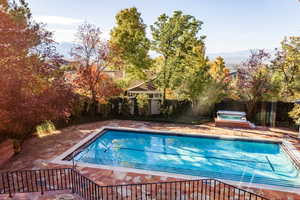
(144, 86)
(297, 101)
(233, 73)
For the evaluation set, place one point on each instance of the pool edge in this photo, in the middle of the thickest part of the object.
(60, 158)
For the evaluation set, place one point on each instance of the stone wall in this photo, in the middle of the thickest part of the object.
(6, 151)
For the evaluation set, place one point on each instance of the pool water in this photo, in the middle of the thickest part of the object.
(238, 160)
(230, 117)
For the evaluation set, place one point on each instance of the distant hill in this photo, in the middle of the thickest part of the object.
(64, 48)
(233, 59)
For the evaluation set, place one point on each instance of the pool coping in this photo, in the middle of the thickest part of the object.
(292, 152)
(60, 158)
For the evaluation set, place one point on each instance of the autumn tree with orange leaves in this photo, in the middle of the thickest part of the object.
(32, 88)
(92, 57)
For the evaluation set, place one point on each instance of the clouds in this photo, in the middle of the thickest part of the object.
(65, 28)
(58, 20)
(63, 35)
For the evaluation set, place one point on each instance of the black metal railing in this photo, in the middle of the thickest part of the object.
(35, 181)
(69, 179)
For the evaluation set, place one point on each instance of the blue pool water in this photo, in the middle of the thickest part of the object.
(238, 160)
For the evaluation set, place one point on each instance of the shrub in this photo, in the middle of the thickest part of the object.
(45, 127)
(143, 104)
(295, 114)
(33, 88)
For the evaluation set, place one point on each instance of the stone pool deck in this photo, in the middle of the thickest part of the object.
(37, 196)
(37, 152)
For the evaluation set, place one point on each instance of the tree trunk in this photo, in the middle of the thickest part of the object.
(164, 97)
(93, 104)
(251, 109)
(273, 114)
(164, 81)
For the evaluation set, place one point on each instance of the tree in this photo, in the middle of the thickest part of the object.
(89, 49)
(205, 83)
(195, 76)
(218, 70)
(286, 67)
(295, 114)
(220, 80)
(143, 103)
(254, 81)
(130, 43)
(4, 4)
(92, 58)
(98, 86)
(174, 38)
(32, 89)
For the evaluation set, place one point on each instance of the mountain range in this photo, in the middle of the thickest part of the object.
(64, 48)
(232, 59)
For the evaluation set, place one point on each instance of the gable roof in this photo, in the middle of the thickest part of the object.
(144, 86)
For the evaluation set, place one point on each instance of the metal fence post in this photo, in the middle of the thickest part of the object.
(41, 183)
(86, 188)
(72, 180)
(9, 191)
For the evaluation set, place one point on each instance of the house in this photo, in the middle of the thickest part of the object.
(233, 74)
(114, 74)
(154, 96)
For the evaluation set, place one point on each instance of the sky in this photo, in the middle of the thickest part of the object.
(229, 25)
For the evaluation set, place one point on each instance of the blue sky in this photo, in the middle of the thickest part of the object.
(230, 25)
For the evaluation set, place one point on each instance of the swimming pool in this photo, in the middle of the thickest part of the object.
(237, 160)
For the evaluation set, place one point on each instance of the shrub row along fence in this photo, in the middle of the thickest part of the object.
(69, 179)
(267, 113)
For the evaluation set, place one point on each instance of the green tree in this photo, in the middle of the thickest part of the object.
(206, 83)
(195, 76)
(174, 39)
(130, 43)
(218, 70)
(143, 103)
(220, 79)
(4, 4)
(286, 67)
(295, 114)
